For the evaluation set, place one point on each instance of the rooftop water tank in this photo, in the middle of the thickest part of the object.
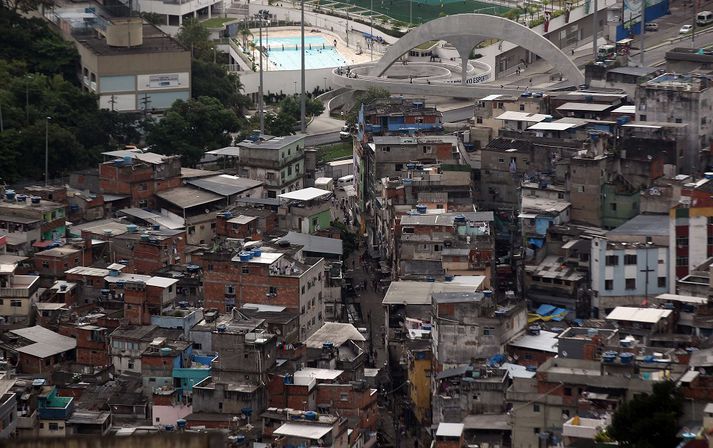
(609, 356)
(21, 198)
(10, 195)
(310, 415)
(35, 200)
(708, 175)
(156, 227)
(488, 294)
(132, 228)
(245, 256)
(459, 219)
(257, 252)
(626, 357)
(449, 278)
(113, 272)
(421, 208)
(145, 237)
(221, 328)
(181, 423)
(430, 279)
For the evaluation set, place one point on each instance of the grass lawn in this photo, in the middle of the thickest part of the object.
(425, 10)
(333, 151)
(217, 22)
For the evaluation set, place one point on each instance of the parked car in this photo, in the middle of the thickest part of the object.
(685, 29)
(345, 133)
(651, 26)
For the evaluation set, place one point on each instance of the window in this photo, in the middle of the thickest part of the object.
(568, 391)
(642, 117)
(536, 430)
(344, 397)
(427, 149)
(630, 283)
(220, 405)
(629, 259)
(479, 120)
(608, 285)
(681, 241)
(487, 331)
(678, 120)
(229, 289)
(398, 166)
(54, 427)
(613, 206)
(386, 149)
(501, 160)
(662, 282)
(580, 189)
(522, 107)
(612, 260)
(143, 186)
(273, 290)
(130, 365)
(303, 289)
(536, 407)
(245, 270)
(45, 264)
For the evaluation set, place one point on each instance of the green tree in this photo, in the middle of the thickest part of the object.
(366, 98)
(279, 124)
(190, 128)
(17, 6)
(195, 36)
(210, 79)
(649, 420)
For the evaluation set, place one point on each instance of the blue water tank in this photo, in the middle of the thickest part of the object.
(459, 219)
(221, 328)
(311, 415)
(410, 166)
(257, 252)
(156, 226)
(35, 199)
(407, 181)
(328, 345)
(430, 279)
(245, 256)
(127, 160)
(10, 195)
(449, 278)
(609, 356)
(626, 357)
(707, 175)
(488, 294)
(181, 423)
(113, 272)
(132, 228)
(169, 428)
(421, 208)
(21, 198)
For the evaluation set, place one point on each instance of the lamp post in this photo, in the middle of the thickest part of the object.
(303, 103)
(47, 145)
(260, 93)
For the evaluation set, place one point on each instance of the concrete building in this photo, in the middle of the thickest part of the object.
(482, 330)
(394, 153)
(627, 273)
(130, 65)
(8, 409)
(30, 222)
(18, 294)
(691, 228)
(138, 176)
(278, 162)
(277, 276)
(37, 350)
(128, 342)
(686, 99)
(305, 210)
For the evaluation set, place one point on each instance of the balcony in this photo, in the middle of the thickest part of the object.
(26, 419)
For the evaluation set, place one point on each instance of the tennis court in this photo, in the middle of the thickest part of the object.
(425, 10)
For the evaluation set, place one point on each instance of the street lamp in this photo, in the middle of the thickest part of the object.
(47, 133)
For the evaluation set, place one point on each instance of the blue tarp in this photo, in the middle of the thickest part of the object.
(560, 314)
(545, 310)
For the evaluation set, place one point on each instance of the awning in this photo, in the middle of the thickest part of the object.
(527, 215)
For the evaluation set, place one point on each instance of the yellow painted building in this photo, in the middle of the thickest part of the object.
(419, 376)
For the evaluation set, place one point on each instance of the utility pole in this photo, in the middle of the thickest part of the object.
(47, 145)
(261, 112)
(303, 99)
(595, 29)
(693, 31)
(145, 101)
(371, 30)
(646, 269)
(643, 31)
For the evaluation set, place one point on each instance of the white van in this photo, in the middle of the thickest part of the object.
(704, 18)
(344, 181)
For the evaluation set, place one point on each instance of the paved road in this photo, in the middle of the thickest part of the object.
(322, 139)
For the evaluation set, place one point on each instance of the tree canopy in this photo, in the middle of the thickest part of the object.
(190, 128)
(649, 420)
(38, 80)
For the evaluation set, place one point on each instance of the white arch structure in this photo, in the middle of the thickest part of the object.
(465, 31)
